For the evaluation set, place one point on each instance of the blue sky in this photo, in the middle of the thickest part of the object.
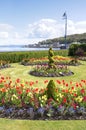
(30, 21)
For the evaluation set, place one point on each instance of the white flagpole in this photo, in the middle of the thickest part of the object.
(65, 17)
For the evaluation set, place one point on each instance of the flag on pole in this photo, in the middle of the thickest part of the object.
(64, 15)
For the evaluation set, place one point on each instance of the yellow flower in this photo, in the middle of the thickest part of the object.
(44, 97)
(14, 97)
(60, 95)
(79, 99)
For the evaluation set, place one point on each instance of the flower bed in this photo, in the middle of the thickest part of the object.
(24, 100)
(4, 64)
(45, 71)
(44, 61)
(83, 58)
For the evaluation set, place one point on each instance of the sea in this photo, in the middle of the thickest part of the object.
(15, 48)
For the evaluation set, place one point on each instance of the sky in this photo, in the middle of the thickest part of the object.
(24, 22)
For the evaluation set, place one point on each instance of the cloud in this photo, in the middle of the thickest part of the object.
(6, 27)
(44, 28)
(39, 30)
(3, 35)
(50, 28)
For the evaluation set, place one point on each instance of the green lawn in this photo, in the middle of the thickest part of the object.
(19, 71)
(6, 124)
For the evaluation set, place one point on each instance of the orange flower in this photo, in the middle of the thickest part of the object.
(66, 90)
(22, 85)
(3, 90)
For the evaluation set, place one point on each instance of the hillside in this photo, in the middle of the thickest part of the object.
(70, 38)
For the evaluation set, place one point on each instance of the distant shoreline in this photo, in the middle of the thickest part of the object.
(22, 48)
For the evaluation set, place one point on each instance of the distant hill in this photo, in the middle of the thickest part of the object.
(70, 38)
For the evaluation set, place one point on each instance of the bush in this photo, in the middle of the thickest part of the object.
(77, 49)
(51, 90)
(72, 49)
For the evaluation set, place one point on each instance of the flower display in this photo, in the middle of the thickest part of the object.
(70, 98)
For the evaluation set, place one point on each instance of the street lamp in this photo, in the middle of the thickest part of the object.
(65, 17)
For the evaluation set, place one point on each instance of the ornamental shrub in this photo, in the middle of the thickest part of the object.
(77, 49)
(51, 90)
(51, 58)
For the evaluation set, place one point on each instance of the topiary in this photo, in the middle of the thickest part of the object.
(51, 59)
(51, 90)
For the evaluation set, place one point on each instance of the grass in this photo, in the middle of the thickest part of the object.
(19, 71)
(6, 124)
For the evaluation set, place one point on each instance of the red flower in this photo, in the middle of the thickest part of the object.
(63, 90)
(46, 81)
(82, 91)
(84, 99)
(31, 83)
(70, 82)
(26, 82)
(77, 85)
(19, 92)
(72, 87)
(18, 80)
(64, 100)
(67, 85)
(2, 78)
(3, 101)
(35, 90)
(74, 105)
(36, 81)
(59, 82)
(27, 90)
(17, 88)
(74, 94)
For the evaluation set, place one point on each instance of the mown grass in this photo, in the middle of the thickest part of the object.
(6, 124)
(22, 72)
(19, 71)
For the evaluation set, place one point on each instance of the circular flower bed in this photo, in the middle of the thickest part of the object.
(44, 71)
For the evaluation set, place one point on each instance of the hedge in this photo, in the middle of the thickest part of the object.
(74, 47)
(14, 57)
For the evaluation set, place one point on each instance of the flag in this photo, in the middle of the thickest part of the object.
(64, 15)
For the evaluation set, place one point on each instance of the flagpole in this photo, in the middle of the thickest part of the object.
(65, 32)
(65, 17)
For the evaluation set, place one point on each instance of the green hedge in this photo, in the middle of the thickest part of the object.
(14, 57)
(74, 47)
